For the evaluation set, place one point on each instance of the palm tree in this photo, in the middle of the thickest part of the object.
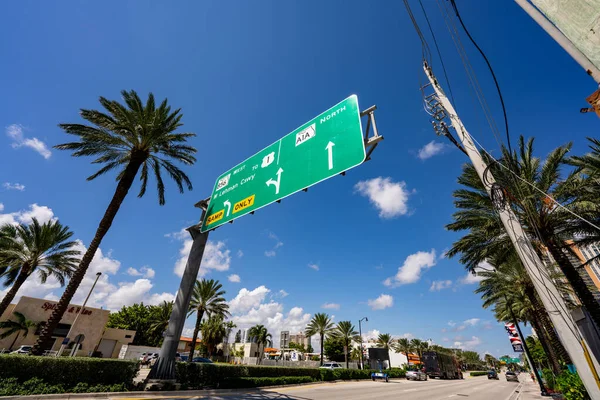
(346, 333)
(549, 227)
(262, 337)
(213, 331)
(418, 346)
(385, 340)
(42, 248)
(129, 138)
(206, 298)
(229, 326)
(21, 324)
(321, 325)
(403, 345)
(160, 318)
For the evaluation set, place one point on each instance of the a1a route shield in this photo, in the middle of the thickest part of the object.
(323, 147)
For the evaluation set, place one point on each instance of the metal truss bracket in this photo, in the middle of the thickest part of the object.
(371, 142)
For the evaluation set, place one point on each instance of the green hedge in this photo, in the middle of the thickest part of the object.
(478, 373)
(12, 387)
(68, 371)
(197, 375)
(240, 383)
(349, 374)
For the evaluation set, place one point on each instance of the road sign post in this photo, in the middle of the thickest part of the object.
(327, 145)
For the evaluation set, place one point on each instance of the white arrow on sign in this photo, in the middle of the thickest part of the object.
(276, 182)
(228, 204)
(329, 149)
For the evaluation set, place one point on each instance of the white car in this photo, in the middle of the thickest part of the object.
(22, 350)
(331, 365)
(416, 376)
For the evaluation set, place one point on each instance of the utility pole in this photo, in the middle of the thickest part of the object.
(561, 39)
(164, 369)
(565, 327)
(362, 365)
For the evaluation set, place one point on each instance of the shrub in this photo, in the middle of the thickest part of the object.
(250, 382)
(571, 387)
(68, 371)
(196, 375)
(478, 373)
(12, 387)
(548, 377)
(347, 374)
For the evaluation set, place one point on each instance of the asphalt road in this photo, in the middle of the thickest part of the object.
(479, 388)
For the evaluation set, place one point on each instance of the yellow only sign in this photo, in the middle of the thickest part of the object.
(240, 205)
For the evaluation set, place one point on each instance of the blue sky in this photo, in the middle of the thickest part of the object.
(245, 74)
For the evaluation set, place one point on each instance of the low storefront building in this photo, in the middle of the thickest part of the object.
(89, 331)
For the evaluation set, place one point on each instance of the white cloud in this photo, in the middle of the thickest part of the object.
(472, 322)
(145, 272)
(382, 302)
(410, 271)
(283, 293)
(270, 253)
(234, 278)
(372, 334)
(470, 344)
(1, 207)
(313, 266)
(331, 306)
(42, 213)
(247, 299)
(15, 132)
(240, 254)
(451, 323)
(216, 256)
(278, 244)
(390, 198)
(13, 186)
(440, 285)
(249, 308)
(430, 149)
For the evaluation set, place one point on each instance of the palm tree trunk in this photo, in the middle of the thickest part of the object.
(113, 208)
(346, 357)
(581, 289)
(322, 338)
(14, 341)
(21, 278)
(199, 316)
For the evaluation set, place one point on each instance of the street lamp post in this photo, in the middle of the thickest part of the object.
(62, 347)
(362, 365)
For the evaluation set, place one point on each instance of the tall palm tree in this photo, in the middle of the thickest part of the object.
(385, 340)
(262, 337)
(346, 333)
(128, 138)
(549, 227)
(213, 331)
(206, 298)
(403, 345)
(321, 325)
(417, 345)
(160, 318)
(21, 324)
(42, 248)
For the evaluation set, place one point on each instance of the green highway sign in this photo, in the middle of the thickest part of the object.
(323, 147)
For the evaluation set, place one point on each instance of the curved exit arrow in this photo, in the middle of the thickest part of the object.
(228, 204)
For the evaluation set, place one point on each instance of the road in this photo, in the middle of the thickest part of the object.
(479, 388)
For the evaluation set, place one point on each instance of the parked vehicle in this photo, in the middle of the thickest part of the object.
(416, 375)
(22, 350)
(492, 374)
(201, 360)
(439, 365)
(331, 365)
(511, 376)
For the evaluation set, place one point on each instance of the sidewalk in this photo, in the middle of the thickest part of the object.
(530, 390)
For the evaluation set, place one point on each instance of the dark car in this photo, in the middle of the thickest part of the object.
(201, 360)
(511, 376)
(492, 374)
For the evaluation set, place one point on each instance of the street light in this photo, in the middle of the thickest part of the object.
(362, 366)
(62, 347)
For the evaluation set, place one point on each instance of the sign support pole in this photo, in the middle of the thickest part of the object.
(163, 371)
(553, 302)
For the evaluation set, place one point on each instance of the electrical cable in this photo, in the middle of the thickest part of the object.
(438, 50)
(453, 3)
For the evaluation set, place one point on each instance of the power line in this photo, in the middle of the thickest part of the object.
(491, 71)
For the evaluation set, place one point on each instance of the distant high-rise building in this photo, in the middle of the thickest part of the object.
(284, 339)
(300, 338)
(245, 338)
